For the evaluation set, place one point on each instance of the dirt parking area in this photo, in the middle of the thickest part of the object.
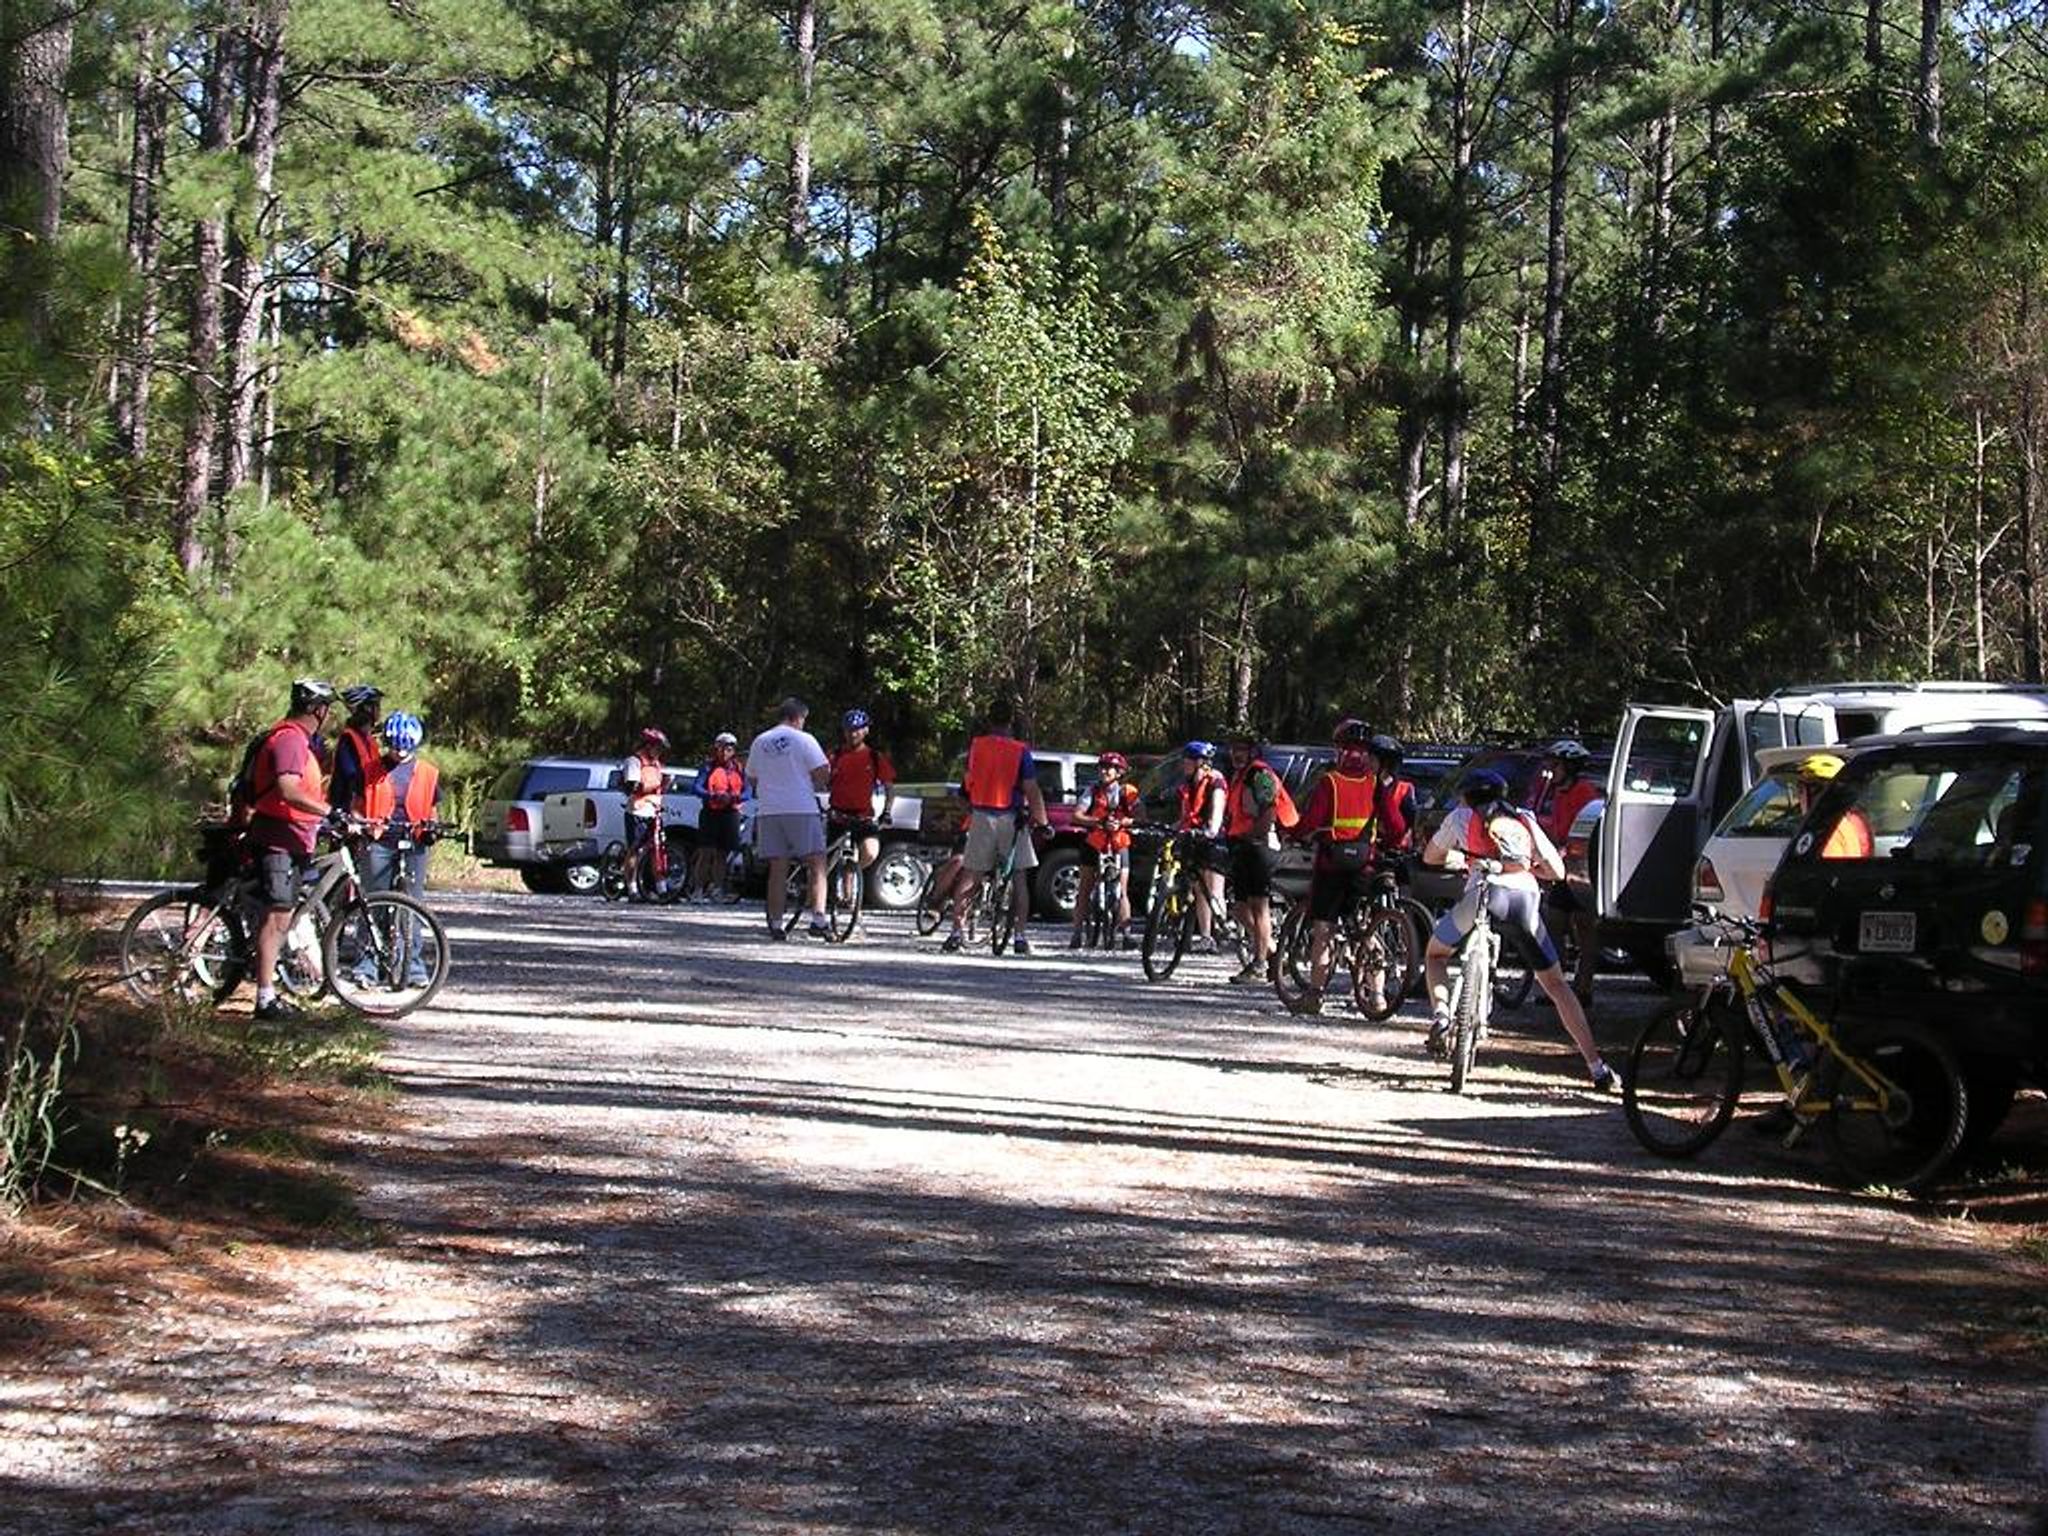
(681, 1231)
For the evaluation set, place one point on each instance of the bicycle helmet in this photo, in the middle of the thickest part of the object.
(725, 739)
(1351, 733)
(654, 737)
(1567, 751)
(1114, 760)
(1484, 788)
(1387, 750)
(310, 693)
(1205, 750)
(1820, 767)
(361, 694)
(404, 732)
(855, 720)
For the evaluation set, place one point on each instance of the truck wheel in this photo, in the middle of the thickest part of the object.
(1058, 883)
(896, 879)
(542, 879)
(578, 879)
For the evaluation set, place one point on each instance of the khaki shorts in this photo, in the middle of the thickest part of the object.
(793, 835)
(990, 836)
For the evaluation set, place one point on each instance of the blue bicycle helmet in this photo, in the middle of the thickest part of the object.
(360, 694)
(1205, 750)
(1484, 788)
(855, 720)
(403, 732)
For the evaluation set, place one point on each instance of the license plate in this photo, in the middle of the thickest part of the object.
(1888, 933)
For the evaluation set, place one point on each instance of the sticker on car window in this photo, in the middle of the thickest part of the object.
(1996, 927)
(2020, 852)
(1804, 844)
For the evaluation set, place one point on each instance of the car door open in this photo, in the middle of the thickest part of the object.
(1651, 830)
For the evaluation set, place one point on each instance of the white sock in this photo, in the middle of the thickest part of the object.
(265, 995)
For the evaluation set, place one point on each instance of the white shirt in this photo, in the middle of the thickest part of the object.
(1455, 832)
(780, 763)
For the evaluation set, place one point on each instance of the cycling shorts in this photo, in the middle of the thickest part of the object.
(1331, 892)
(1251, 869)
(1091, 857)
(638, 829)
(1516, 912)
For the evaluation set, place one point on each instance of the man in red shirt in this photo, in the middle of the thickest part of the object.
(1572, 789)
(288, 803)
(860, 772)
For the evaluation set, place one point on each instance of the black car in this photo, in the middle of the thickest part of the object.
(1940, 912)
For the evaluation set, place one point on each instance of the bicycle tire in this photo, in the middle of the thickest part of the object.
(1683, 1077)
(796, 894)
(1468, 1021)
(845, 884)
(1513, 980)
(1161, 945)
(1290, 965)
(1002, 913)
(158, 963)
(1422, 922)
(611, 872)
(1384, 954)
(1905, 1146)
(931, 910)
(370, 931)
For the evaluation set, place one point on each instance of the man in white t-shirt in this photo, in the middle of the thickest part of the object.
(787, 769)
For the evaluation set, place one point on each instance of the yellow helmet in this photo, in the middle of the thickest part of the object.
(1819, 768)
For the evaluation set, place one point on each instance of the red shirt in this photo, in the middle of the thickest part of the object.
(1394, 810)
(276, 824)
(1566, 804)
(857, 772)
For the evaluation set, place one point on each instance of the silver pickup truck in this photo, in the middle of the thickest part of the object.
(578, 825)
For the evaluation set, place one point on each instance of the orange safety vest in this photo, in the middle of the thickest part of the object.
(645, 800)
(1351, 806)
(378, 800)
(1103, 839)
(1242, 814)
(367, 758)
(992, 765)
(270, 801)
(724, 787)
(1195, 791)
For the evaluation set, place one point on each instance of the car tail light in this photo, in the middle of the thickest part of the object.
(2034, 939)
(1765, 906)
(589, 813)
(516, 820)
(1706, 883)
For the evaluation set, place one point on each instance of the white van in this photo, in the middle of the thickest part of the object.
(1679, 771)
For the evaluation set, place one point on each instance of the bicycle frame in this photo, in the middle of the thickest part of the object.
(1762, 995)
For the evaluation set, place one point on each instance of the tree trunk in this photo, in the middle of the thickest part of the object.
(1873, 34)
(1457, 403)
(35, 153)
(1243, 644)
(622, 279)
(804, 38)
(264, 99)
(607, 213)
(2029, 445)
(1062, 133)
(1550, 385)
(204, 329)
(1927, 98)
(1980, 443)
(144, 246)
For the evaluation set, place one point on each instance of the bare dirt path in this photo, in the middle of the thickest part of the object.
(688, 1232)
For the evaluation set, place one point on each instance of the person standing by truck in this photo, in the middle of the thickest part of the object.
(721, 785)
(641, 776)
(1572, 789)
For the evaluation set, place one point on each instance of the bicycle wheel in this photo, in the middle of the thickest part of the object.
(611, 872)
(1513, 980)
(845, 883)
(1162, 945)
(386, 955)
(1468, 1020)
(932, 902)
(796, 894)
(1382, 963)
(1684, 1075)
(1905, 1141)
(1000, 913)
(1290, 969)
(1423, 923)
(176, 946)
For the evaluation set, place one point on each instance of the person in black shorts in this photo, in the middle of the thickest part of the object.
(722, 785)
(1339, 817)
(1256, 805)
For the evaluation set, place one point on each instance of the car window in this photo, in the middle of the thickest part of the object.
(1954, 815)
(1085, 774)
(506, 786)
(1664, 756)
(1772, 808)
(553, 778)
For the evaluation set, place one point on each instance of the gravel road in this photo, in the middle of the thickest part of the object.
(688, 1232)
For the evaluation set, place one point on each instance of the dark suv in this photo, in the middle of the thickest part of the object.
(1946, 921)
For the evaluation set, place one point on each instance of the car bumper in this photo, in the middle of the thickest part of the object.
(1699, 957)
(582, 850)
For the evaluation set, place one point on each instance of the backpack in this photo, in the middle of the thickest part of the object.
(242, 790)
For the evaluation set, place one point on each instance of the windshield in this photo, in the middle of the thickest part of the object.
(1772, 808)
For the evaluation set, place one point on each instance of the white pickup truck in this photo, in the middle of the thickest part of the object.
(577, 826)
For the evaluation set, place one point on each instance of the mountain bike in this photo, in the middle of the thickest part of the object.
(1472, 986)
(382, 953)
(845, 882)
(1099, 925)
(991, 909)
(649, 871)
(935, 898)
(1889, 1093)
(1375, 943)
(1179, 892)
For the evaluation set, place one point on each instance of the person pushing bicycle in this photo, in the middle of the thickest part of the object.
(1488, 835)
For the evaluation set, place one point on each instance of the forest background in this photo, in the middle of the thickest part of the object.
(566, 365)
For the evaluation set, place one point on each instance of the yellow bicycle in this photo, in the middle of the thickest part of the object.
(1888, 1093)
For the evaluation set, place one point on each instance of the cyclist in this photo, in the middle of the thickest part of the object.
(1106, 813)
(1339, 817)
(721, 785)
(860, 772)
(1572, 789)
(287, 804)
(642, 777)
(1395, 810)
(1256, 806)
(1203, 792)
(1003, 802)
(404, 795)
(1487, 827)
(1850, 837)
(355, 749)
